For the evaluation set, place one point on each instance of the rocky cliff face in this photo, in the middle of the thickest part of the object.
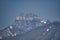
(31, 27)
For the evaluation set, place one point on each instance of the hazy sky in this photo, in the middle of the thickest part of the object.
(9, 9)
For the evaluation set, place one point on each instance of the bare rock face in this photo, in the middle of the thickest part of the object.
(31, 27)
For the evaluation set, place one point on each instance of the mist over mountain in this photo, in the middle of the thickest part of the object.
(31, 27)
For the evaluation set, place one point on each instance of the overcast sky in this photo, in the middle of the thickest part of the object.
(9, 9)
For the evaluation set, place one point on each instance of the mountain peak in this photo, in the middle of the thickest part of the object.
(29, 16)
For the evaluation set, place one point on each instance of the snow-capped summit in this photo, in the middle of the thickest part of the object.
(27, 17)
(24, 23)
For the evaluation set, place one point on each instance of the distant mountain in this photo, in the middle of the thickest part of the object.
(31, 27)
